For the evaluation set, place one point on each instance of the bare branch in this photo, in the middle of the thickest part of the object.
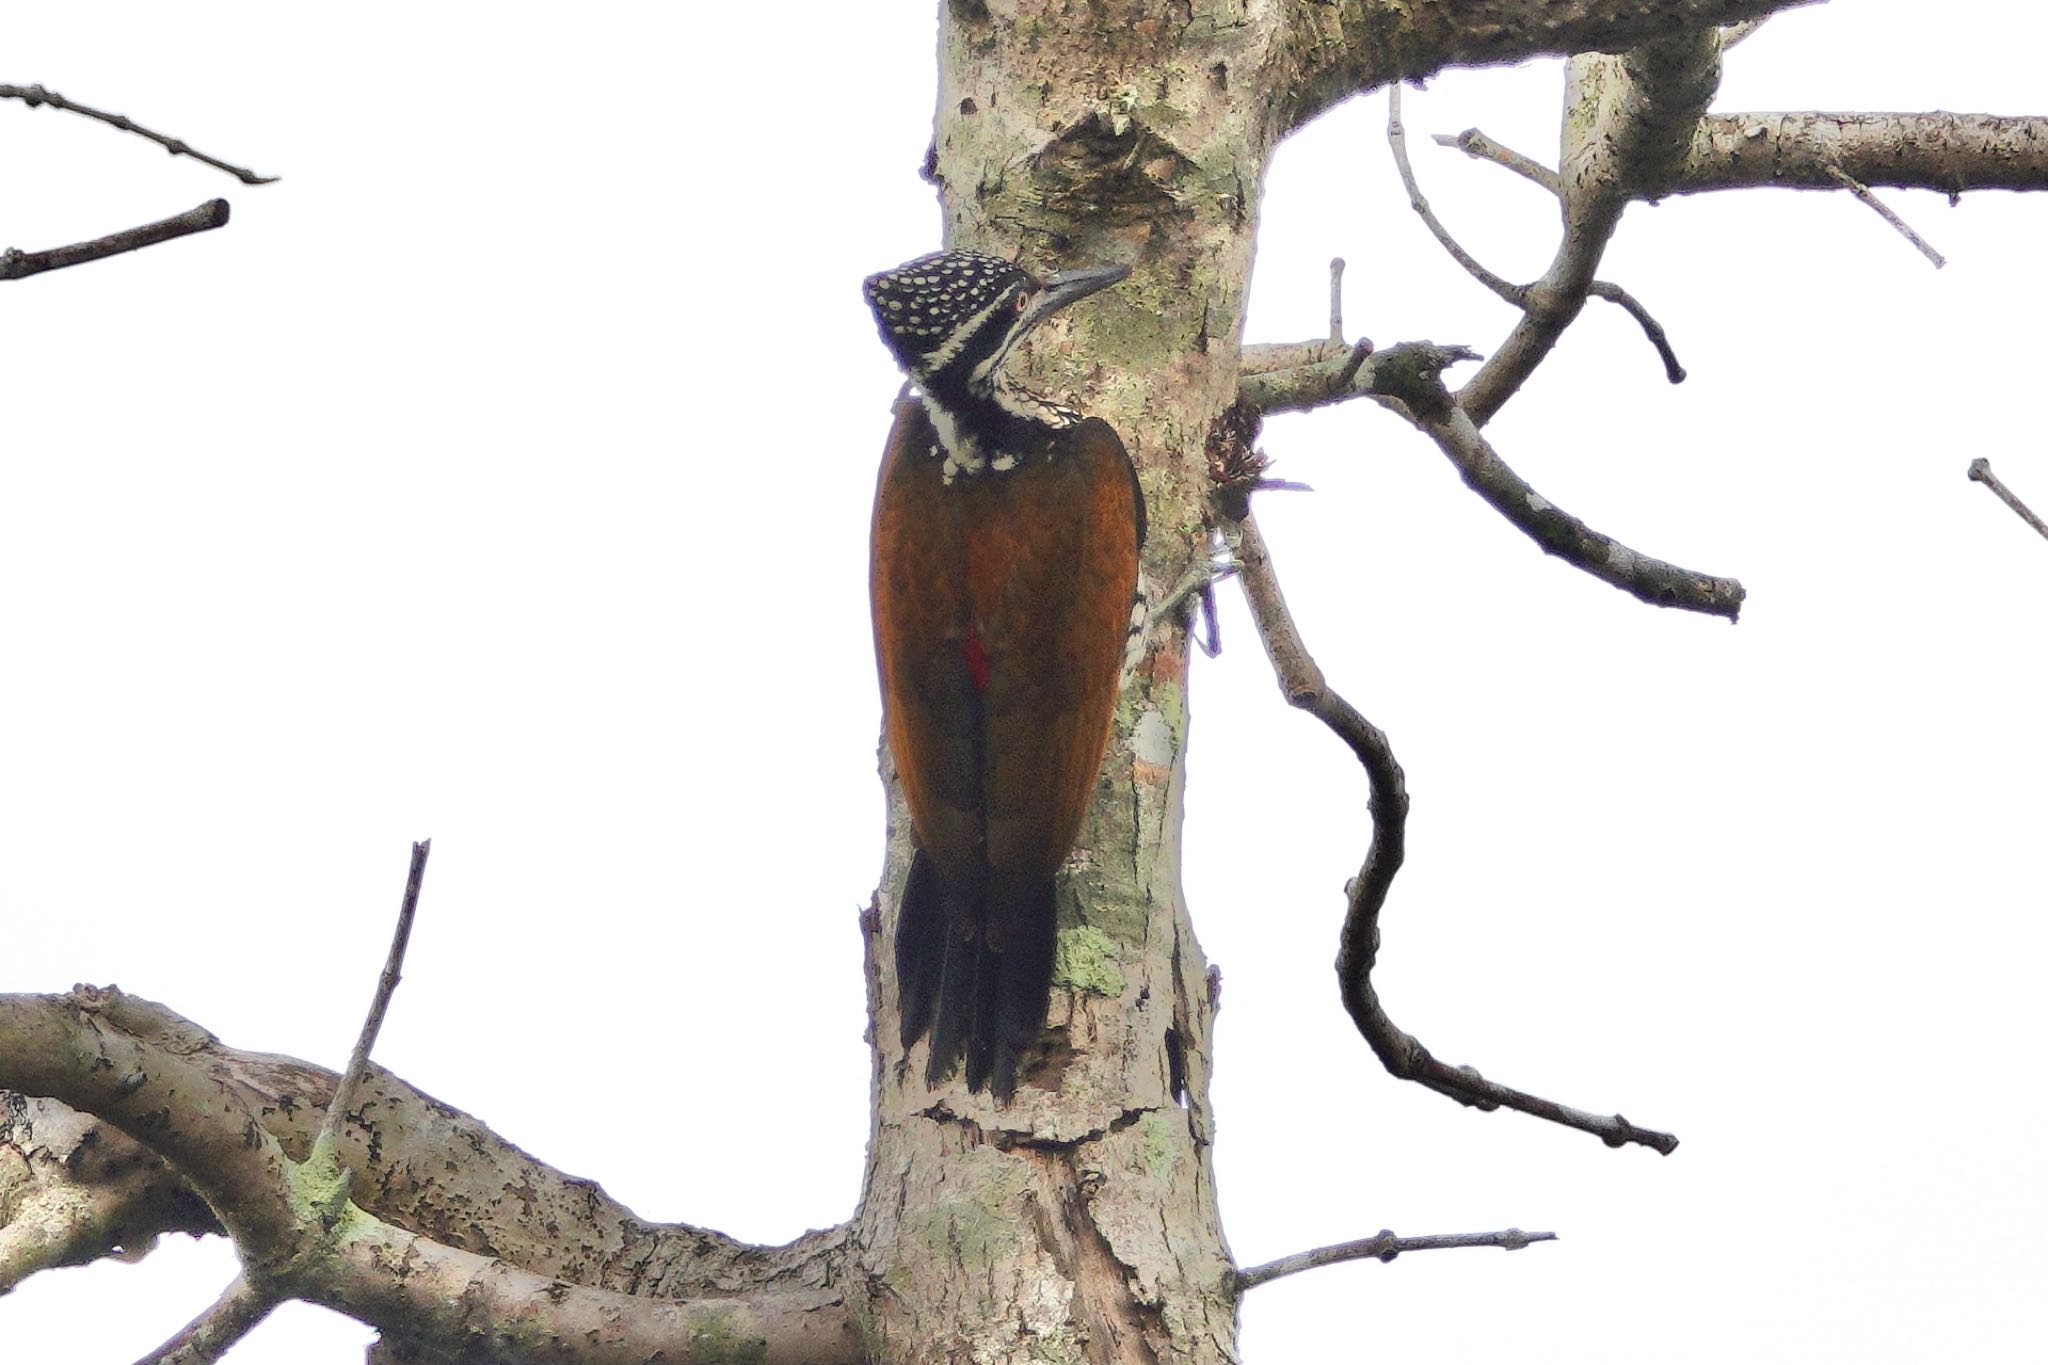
(16, 264)
(1653, 330)
(209, 1336)
(146, 1070)
(1479, 146)
(1629, 122)
(485, 1194)
(1949, 153)
(74, 1190)
(1980, 472)
(1406, 379)
(1878, 206)
(35, 95)
(1516, 294)
(1384, 1247)
(1337, 300)
(1343, 48)
(1302, 683)
(1553, 529)
(1397, 140)
(325, 1153)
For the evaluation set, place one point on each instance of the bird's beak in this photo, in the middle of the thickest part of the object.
(1066, 287)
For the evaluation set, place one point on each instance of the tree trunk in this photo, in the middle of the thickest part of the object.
(1080, 1222)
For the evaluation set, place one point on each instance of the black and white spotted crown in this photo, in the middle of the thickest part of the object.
(920, 304)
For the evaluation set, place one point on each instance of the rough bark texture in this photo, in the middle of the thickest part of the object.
(1080, 1223)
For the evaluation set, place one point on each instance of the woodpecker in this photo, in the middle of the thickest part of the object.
(1005, 565)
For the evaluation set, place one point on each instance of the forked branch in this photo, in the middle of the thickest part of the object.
(158, 1079)
(1518, 295)
(1407, 379)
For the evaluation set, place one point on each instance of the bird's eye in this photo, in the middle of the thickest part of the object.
(1019, 300)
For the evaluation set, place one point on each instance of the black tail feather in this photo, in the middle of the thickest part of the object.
(976, 972)
(920, 948)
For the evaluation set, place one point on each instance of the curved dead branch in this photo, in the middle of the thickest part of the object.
(1480, 147)
(1406, 378)
(1555, 530)
(35, 96)
(1302, 683)
(484, 1226)
(1516, 295)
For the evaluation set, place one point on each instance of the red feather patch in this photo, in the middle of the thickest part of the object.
(976, 655)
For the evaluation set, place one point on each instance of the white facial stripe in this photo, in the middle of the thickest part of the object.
(939, 359)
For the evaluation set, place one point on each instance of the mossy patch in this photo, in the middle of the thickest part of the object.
(977, 1232)
(1086, 960)
(1157, 1147)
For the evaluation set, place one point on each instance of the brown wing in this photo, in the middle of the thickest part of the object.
(918, 583)
(1027, 577)
(1052, 563)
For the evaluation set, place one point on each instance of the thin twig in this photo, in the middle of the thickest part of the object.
(1337, 300)
(324, 1145)
(1555, 531)
(1203, 576)
(1384, 1247)
(1980, 472)
(16, 264)
(1516, 294)
(34, 95)
(213, 1333)
(1302, 683)
(1883, 210)
(1652, 329)
(1479, 146)
(1397, 139)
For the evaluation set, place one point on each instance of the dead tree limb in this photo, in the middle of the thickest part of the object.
(146, 1071)
(1385, 1247)
(1302, 683)
(1629, 122)
(1980, 472)
(213, 1333)
(1517, 295)
(16, 264)
(34, 96)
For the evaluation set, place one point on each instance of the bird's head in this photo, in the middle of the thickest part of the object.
(950, 318)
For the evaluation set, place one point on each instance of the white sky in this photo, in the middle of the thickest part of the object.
(502, 475)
